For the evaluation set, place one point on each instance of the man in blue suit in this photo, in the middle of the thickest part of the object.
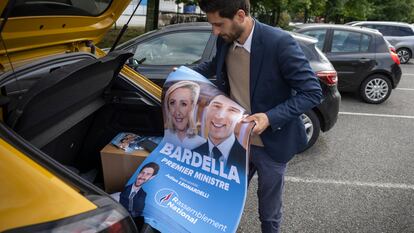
(222, 115)
(133, 196)
(264, 70)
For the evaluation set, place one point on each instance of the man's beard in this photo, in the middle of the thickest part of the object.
(236, 32)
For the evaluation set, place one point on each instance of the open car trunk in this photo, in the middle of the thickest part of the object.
(71, 109)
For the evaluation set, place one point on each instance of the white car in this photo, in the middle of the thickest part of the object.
(400, 35)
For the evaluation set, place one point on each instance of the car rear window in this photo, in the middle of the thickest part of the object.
(318, 34)
(309, 53)
(59, 7)
(391, 30)
(312, 52)
(403, 31)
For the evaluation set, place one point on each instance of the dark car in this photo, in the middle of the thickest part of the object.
(361, 56)
(158, 52)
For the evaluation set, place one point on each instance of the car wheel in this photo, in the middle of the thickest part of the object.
(404, 54)
(375, 89)
(312, 127)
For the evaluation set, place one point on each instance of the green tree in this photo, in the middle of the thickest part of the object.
(357, 10)
(306, 10)
(279, 12)
(393, 10)
(270, 11)
(151, 22)
(334, 11)
(341, 11)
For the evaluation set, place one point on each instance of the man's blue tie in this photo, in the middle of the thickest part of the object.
(216, 153)
(131, 200)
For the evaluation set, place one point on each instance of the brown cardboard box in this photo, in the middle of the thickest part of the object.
(118, 166)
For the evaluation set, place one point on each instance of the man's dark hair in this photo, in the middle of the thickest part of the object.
(225, 8)
(152, 165)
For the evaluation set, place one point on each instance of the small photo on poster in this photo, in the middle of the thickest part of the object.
(127, 142)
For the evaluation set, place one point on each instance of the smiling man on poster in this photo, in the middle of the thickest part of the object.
(221, 118)
(133, 196)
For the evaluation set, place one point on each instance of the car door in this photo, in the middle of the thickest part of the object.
(352, 55)
(157, 56)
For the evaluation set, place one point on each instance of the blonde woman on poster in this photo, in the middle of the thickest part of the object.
(179, 104)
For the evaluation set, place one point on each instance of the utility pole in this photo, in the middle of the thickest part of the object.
(153, 9)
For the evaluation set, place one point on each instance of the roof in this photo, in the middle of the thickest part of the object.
(206, 25)
(304, 38)
(187, 25)
(168, 28)
(339, 26)
(383, 23)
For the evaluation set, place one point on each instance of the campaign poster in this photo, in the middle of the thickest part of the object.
(196, 178)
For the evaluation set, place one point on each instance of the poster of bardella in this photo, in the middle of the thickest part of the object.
(196, 179)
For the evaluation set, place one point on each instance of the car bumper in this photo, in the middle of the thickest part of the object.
(396, 74)
(329, 107)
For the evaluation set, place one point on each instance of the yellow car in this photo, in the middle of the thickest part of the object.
(61, 101)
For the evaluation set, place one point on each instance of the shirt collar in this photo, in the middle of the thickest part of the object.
(224, 147)
(134, 188)
(248, 44)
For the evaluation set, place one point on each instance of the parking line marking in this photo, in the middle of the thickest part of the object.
(407, 74)
(405, 89)
(377, 115)
(349, 183)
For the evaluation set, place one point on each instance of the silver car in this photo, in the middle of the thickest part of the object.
(400, 35)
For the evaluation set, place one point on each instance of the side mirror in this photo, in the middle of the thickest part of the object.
(134, 63)
(141, 61)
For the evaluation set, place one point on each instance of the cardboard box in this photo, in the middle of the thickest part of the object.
(118, 166)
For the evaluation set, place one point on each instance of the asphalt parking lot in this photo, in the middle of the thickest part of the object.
(358, 177)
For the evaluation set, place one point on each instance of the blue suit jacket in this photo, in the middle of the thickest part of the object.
(237, 156)
(138, 202)
(282, 85)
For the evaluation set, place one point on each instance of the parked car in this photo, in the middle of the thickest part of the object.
(158, 52)
(352, 22)
(61, 101)
(400, 35)
(363, 59)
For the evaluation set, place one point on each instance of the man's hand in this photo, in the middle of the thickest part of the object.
(261, 120)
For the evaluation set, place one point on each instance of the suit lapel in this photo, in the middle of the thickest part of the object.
(256, 57)
(236, 153)
(206, 149)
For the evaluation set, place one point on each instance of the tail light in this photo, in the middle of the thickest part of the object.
(394, 56)
(110, 221)
(104, 220)
(330, 78)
